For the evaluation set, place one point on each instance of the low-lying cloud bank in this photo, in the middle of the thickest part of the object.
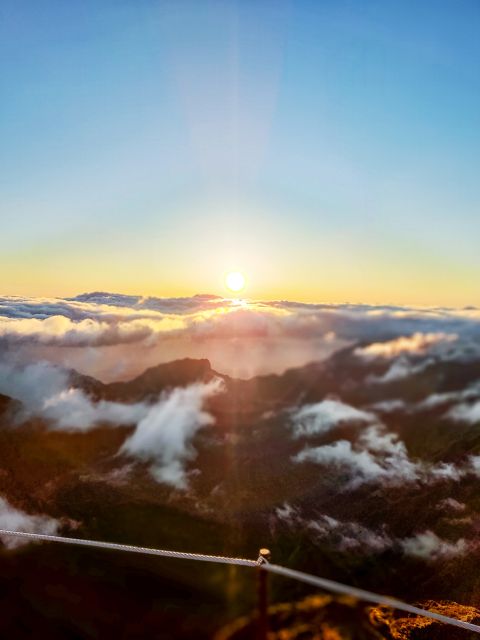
(353, 537)
(418, 343)
(239, 337)
(163, 430)
(45, 391)
(322, 417)
(373, 455)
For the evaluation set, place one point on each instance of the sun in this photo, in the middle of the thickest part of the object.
(235, 281)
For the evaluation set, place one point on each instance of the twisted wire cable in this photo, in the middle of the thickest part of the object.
(261, 563)
(131, 548)
(365, 596)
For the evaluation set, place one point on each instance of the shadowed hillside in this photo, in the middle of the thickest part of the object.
(358, 519)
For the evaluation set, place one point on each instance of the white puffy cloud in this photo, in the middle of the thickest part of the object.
(378, 456)
(163, 430)
(60, 330)
(418, 343)
(72, 410)
(164, 436)
(321, 417)
(45, 391)
(16, 520)
(429, 547)
(465, 412)
(389, 406)
(375, 457)
(475, 464)
(400, 369)
(411, 355)
(445, 471)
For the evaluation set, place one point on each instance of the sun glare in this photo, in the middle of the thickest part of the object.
(235, 281)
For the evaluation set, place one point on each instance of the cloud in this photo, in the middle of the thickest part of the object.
(389, 406)
(187, 304)
(240, 338)
(375, 457)
(435, 400)
(353, 537)
(164, 436)
(100, 312)
(109, 307)
(45, 391)
(314, 419)
(16, 520)
(288, 514)
(475, 465)
(350, 536)
(59, 330)
(418, 343)
(466, 412)
(400, 369)
(164, 430)
(411, 355)
(445, 471)
(103, 334)
(428, 546)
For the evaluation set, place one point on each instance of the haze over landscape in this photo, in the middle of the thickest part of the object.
(239, 308)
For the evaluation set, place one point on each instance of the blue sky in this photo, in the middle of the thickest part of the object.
(327, 149)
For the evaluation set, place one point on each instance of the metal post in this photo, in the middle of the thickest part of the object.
(262, 579)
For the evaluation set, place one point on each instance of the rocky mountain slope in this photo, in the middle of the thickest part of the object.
(342, 468)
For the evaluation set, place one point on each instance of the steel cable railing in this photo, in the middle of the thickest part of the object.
(366, 596)
(261, 563)
(131, 548)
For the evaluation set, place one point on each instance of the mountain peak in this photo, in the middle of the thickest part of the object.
(179, 373)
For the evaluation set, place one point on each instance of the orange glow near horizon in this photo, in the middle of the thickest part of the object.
(333, 280)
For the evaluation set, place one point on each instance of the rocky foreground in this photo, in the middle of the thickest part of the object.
(326, 617)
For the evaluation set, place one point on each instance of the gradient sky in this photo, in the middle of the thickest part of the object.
(328, 149)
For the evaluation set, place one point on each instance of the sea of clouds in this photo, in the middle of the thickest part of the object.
(114, 337)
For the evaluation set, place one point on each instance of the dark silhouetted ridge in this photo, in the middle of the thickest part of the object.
(179, 373)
